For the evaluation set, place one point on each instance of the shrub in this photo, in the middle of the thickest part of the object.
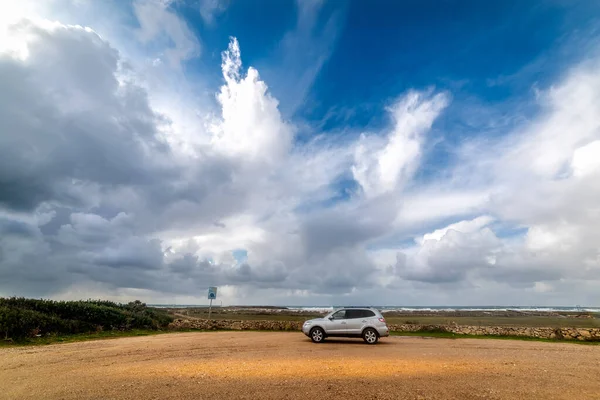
(21, 317)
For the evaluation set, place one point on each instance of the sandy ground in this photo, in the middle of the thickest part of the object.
(253, 365)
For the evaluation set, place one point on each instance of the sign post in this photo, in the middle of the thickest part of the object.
(212, 295)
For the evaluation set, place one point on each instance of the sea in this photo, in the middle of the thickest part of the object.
(403, 308)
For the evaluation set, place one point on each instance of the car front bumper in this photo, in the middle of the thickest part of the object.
(306, 329)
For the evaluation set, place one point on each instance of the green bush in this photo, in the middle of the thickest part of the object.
(433, 329)
(21, 317)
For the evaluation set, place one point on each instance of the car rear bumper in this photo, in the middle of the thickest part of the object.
(383, 331)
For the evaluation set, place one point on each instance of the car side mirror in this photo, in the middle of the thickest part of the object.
(331, 318)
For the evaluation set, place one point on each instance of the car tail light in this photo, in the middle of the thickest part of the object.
(382, 320)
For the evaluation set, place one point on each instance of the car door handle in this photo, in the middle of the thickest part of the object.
(364, 321)
(343, 323)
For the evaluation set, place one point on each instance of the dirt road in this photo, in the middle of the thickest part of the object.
(252, 365)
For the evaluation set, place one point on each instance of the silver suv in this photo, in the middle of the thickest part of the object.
(367, 323)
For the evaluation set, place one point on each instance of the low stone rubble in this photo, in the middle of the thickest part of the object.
(583, 334)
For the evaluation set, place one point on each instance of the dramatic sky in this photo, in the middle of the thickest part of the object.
(301, 153)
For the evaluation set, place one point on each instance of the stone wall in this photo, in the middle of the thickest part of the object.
(236, 325)
(543, 333)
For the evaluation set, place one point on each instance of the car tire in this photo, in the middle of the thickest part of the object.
(370, 336)
(317, 335)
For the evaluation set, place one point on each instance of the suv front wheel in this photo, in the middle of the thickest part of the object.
(370, 336)
(317, 335)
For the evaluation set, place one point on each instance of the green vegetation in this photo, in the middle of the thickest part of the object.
(22, 318)
(493, 320)
(450, 335)
(79, 337)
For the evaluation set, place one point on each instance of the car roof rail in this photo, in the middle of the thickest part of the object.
(359, 307)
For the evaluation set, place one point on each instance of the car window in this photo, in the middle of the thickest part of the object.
(367, 313)
(359, 314)
(339, 315)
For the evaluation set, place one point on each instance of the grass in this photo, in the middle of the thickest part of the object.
(524, 321)
(450, 335)
(80, 337)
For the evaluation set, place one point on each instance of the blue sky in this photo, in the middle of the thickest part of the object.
(383, 48)
(490, 56)
(301, 152)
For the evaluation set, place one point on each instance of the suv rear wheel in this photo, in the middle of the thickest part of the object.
(370, 336)
(317, 335)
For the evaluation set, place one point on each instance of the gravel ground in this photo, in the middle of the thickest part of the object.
(251, 365)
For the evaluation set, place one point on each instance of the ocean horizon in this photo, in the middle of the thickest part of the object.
(388, 308)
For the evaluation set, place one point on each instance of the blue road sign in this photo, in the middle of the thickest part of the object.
(212, 293)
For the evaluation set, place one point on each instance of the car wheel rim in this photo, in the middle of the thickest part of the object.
(370, 336)
(317, 335)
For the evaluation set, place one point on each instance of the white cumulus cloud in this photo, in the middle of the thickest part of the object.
(113, 182)
(382, 165)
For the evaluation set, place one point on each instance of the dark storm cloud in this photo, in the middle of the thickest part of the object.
(67, 122)
(86, 144)
(61, 216)
(27, 264)
(131, 253)
(347, 227)
(272, 274)
(10, 227)
(69, 128)
(82, 140)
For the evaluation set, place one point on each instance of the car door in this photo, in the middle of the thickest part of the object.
(354, 322)
(368, 318)
(337, 323)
